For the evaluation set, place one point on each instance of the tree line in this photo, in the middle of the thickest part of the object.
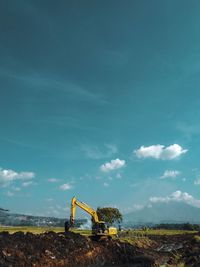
(178, 226)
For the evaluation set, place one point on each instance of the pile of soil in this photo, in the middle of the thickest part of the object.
(59, 249)
(190, 253)
(178, 250)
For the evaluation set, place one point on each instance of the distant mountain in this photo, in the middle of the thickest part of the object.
(173, 212)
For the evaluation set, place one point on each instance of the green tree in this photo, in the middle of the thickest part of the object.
(109, 215)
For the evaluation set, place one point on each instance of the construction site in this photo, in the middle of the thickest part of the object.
(74, 250)
(99, 104)
(101, 245)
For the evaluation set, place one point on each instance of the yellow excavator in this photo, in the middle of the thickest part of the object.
(99, 228)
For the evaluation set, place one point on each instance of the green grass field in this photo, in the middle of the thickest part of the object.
(39, 230)
(34, 230)
(158, 232)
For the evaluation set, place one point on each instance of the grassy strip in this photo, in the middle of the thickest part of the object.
(39, 230)
(34, 230)
(126, 233)
(197, 238)
(156, 232)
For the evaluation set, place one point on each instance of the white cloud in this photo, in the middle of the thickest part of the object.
(105, 184)
(94, 152)
(14, 188)
(187, 129)
(53, 180)
(52, 212)
(113, 165)
(57, 210)
(170, 174)
(8, 176)
(133, 208)
(65, 187)
(26, 175)
(137, 207)
(177, 196)
(197, 181)
(49, 199)
(9, 194)
(118, 176)
(26, 184)
(160, 152)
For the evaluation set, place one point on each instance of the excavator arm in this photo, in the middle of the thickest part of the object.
(83, 206)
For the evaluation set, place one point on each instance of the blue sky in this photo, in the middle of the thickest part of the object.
(98, 99)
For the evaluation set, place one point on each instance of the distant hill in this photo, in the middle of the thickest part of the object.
(175, 212)
(172, 212)
(11, 219)
(2, 210)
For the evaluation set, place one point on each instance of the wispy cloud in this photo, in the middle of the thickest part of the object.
(53, 180)
(188, 129)
(118, 176)
(14, 188)
(113, 165)
(133, 208)
(26, 184)
(49, 199)
(94, 152)
(41, 83)
(170, 174)
(65, 187)
(160, 152)
(56, 210)
(197, 181)
(19, 143)
(9, 194)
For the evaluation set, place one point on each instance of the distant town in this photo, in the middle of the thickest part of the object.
(11, 219)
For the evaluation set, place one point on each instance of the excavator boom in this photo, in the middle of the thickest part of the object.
(83, 206)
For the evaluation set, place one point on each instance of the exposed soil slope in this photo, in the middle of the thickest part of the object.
(58, 250)
(52, 249)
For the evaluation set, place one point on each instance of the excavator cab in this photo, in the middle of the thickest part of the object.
(99, 228)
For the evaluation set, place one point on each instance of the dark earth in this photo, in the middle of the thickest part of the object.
(59, 249)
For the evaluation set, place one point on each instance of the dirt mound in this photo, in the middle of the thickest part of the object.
(190, 253)
(58, 249)
(179, 250)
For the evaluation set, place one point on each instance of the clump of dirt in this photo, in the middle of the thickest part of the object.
(58, 250)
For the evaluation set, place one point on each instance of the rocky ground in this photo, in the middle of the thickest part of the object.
(57, 249)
